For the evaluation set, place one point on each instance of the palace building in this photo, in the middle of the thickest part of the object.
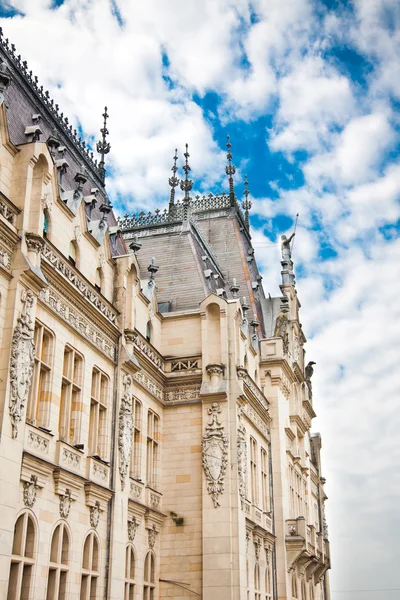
(155, 403)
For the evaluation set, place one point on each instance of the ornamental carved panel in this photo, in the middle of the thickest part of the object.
(215, 454)
(21, 364)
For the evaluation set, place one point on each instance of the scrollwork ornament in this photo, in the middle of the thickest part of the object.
(21, 363)
(215, 454)
(125, 429)
(65, 504)
(257, 547)
(132, 527)
(30, 488)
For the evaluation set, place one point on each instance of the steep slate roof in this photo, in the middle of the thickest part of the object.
(25, 98)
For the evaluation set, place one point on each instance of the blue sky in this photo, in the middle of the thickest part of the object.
(309, 92)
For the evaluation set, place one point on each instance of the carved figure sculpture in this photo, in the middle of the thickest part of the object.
(281, 330)
(22, 360)
(309, 373)
(125, 429)
(285, 247)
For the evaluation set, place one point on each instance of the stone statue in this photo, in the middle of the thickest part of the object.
(285, 247)
(309, 373)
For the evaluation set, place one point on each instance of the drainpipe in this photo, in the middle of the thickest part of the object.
(271, 493)
(110, 507)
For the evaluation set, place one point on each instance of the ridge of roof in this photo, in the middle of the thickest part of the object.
(47, 103)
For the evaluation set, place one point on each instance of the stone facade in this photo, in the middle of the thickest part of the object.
(154, 427)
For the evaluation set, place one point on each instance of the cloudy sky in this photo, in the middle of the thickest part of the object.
(310, 94)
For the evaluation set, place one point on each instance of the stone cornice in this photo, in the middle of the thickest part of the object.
(145, 349)
(77, 283)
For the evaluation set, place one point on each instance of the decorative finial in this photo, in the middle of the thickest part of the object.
(234, 288)
(173, 181)
(246, 202)
(152, 268)
(230, 170)
(186, 185)
(103, 147)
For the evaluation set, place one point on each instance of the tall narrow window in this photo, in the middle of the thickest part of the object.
(98, 414)
(130, 574)
(70, 403)
(149, 577)
(253, 471)
(257, 587)
(59, 564)
(264, 480)
(40, 391)
(22, 559)
(152, 448)
(90, 568)
(136, 471)
(268, 583)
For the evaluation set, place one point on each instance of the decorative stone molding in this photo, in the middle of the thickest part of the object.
(152, 533)
(185, 365)
(34, 242)
(215, 454)
(178, 393)
(100, 471)
(38, 442)
(241, 372)
(155, 500)
(133, 524)
(256, 420)
(7, 211)
(90, 294)
(30, 488)
(125, 428)
(149, 384)
(144, 347)
(241, 455)
(77, 321)
(5, 258)
(65, 504)
(21, 363)
(95, 512)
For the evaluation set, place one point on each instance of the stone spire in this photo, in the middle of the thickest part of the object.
(230, 170)
(246, 202)
(186, 185)
(103, 147)
(173, 182)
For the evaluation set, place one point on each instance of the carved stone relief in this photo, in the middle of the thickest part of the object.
(215, 454)
(152, 536)
(136, 490)
(241, 455)
(125, 429)
(38, 442)
(132, 527)
(65, 504)
(30, 488)
(95, 512)
(21, 364)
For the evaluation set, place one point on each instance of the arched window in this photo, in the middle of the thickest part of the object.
(268, 583)
(90, 568)
(39, 399)
(129, 574)
(294, 586)
(59, 564)
(74, 254)
(257, 587)
(148, 331)
(149, 577)
(99, 279)
(22, 559)
(136, 471)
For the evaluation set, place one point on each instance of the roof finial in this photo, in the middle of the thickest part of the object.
(246, 202)
(186, 185)
(173, 182)
(103, 147)
(230, 170)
